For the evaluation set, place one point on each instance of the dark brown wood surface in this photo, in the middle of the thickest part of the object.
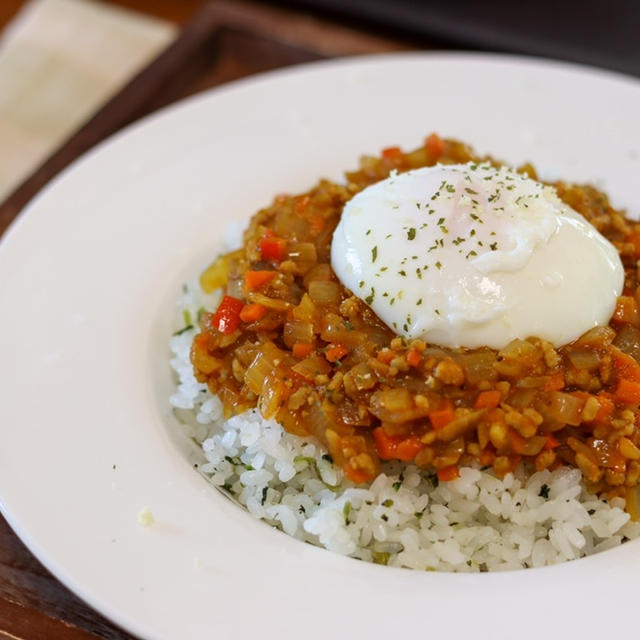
(220, 41)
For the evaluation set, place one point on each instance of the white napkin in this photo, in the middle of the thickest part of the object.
(60, 61)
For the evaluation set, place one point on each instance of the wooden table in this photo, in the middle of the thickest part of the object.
(220, 41)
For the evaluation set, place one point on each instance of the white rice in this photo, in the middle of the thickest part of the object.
(475, 523)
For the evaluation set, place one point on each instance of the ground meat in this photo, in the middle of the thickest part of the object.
(291, 340)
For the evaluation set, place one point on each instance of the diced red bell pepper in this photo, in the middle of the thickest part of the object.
(273, 248)
(227, 318)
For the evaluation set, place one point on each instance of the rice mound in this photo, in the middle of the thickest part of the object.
(405, 518)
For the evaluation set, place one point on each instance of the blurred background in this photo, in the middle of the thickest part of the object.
(66, 62)
(74, 71)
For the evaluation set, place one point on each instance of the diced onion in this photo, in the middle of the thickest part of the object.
(262, 366)
(320, 420)
(522, 398)
(256, 373)
(320, 271)
(270, 303)
(478, 366)
(216, 274)
(290, 224)
(336, 330)
(628, 340)
(563, 408)
(273, 394)
(584, 358)
(324, 292)
(534, 445)
(307, 311)
(312, 367)
(297, 331)
(302, 252)
(235, 286)
(598, 337)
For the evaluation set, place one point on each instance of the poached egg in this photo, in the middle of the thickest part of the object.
(472, 255)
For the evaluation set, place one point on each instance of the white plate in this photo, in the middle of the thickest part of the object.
(89, 276)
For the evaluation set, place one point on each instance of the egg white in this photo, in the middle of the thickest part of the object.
(473, 255)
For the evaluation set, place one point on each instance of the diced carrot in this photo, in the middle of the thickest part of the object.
(551, 443)
(447, 474)
(634, 239)
(487, 456)
(201, 340)
(409, 448)
(227, 317)
(555, 383)
(413, 358)
(628, 391)
(625, 366)
(253, 312)
(607, 405)
(442, 417)
(434, 145)
(356, 475)
(257, 279)
(488, 399)
(385, 444)
(392, 153)
(272, 248)
(301, 203)
(626, 311)
(302, 349)
(517, 442)
(335, 352)
(605, 402)
(385, 356)
(317, 224)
